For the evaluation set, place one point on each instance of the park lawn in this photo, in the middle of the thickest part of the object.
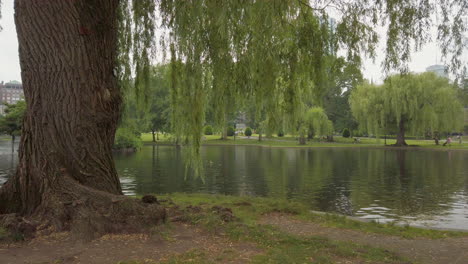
(290, 141)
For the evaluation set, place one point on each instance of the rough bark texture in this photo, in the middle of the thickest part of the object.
(400, 140)
(66, 172)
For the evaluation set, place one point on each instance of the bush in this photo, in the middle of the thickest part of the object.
(230, 131)
(126, 138)
(248, 132)
(208, 130)
(281, 133)
(357, 133)
(346, 133)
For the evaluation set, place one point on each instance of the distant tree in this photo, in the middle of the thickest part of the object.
(12, 122)
(230, 131)
(208, 130)
(159, 100)
(346, 133)
(409, 102)
(341, 79)
(280, 133)
(248, 132)
(315, 122)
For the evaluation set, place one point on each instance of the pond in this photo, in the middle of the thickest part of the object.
(419, 187)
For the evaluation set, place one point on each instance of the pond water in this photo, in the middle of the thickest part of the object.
(419, 187)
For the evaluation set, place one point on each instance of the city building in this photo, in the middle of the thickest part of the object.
(439, 70)
(10, 93)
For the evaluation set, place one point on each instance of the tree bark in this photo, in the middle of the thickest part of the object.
(400, 140)
(154, 136)
(66, 171)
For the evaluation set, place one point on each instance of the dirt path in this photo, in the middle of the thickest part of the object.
(110, 249)
(437, 251)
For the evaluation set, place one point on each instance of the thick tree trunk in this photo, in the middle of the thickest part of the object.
(400, 140)
(66, 171)
(154, 136)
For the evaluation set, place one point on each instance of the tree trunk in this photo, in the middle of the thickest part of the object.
(154, 136)
(401, 134)
(302, 140)
(224, 135)
(66, 172)
(12, 143)
(259, 136)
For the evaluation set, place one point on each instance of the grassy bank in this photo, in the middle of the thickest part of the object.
(277, 246)
(290, 141)
(250, 209)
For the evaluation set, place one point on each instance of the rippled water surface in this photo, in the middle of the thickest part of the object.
(420, 187)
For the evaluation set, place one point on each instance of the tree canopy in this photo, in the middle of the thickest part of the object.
(275, 51)
(418, 103)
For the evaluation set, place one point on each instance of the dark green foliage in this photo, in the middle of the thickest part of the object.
(208, 130)
(159, 99)
(127, 138)
(346, 133)
(248, 132)
(230, 131)
(12, 121)
(357, 133)
(280, 133)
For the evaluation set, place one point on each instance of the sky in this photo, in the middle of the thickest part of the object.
(10, 69)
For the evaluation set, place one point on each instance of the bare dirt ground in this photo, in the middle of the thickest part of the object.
(421, 250)
(176, 239)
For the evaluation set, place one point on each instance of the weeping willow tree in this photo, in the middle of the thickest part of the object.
(314, 122)
(417, 103)
(77, 57)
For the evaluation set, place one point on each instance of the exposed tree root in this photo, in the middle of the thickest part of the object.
(86, 212)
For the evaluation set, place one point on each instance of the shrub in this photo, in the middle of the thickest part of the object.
(346, 133)
(208, 130)
(281, 133)
(230, 131)
(126, 138)
(357, 133)
(248, 132)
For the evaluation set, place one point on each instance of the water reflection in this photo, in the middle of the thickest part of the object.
(419, 186)
(8, 159)
(427, 187)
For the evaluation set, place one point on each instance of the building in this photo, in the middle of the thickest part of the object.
(439, 70)
(10, 93)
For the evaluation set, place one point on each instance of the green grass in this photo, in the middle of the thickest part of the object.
(276, 246)
(290, 141)
(249, 209)
(280, 247)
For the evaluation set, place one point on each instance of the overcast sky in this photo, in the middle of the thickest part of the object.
(10, 70)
